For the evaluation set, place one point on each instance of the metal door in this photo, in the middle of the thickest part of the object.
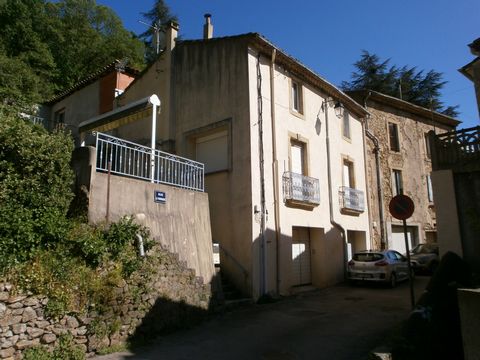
(301, 267)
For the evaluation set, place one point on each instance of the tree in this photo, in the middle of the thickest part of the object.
(158, 17)
(46, 47)
(406, 83)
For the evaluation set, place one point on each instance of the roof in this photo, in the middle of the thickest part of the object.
(294, 66)
(116, 65)
(405, 106)
(475, 47)
(467, 70)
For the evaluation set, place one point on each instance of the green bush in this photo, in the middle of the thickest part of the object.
(35, 188)
(66, 349)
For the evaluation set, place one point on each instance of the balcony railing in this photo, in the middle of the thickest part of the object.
(126, 158)
(300, 188)
(351, 199)
(456, 149)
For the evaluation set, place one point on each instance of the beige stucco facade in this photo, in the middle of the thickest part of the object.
(215, 89)
(411, 161)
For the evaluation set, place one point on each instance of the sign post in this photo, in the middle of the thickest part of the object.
(401, 207)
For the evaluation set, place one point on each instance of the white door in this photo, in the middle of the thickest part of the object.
(301, 270)
(398, 239)
(346, 175)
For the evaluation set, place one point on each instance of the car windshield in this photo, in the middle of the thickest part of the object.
(367, 257)
(424, 249)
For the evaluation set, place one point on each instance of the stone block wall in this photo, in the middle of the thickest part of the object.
(146, 304)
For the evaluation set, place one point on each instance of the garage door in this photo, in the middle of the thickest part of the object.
(398, 238)
(301, 270)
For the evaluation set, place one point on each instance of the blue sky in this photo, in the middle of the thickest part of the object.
(328, 37)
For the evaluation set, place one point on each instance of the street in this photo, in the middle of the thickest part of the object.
(341, 322)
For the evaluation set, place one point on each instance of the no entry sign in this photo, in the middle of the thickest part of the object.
(401, 207)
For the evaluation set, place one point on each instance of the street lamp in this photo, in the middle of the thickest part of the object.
(337, 106)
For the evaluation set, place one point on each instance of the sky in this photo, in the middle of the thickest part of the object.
(329, 36)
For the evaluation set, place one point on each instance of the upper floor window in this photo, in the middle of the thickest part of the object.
(59, 119)
(429, 189)
(346, 125)
(212, 150)
(427, 147)
(397, 182)
(296, 97)
(298, 157)
(393, 136)
(348, 174)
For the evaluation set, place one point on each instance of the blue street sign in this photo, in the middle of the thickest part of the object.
(160, 197)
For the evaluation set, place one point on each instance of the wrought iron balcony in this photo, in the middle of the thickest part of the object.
(351, 200)
(301, 189)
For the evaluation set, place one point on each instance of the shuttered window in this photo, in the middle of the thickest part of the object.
(212, 150)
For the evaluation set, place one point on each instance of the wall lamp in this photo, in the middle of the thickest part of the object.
(337, 106)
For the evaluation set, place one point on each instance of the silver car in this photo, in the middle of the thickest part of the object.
(381, 266)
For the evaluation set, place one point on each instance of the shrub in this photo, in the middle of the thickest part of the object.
(35, 188)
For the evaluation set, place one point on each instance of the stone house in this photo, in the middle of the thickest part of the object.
(399, 161)
(283, 151)
(472, 70)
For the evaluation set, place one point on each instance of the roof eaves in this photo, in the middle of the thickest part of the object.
(409, 107)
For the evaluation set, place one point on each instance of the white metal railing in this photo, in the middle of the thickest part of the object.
(301, 188)
(351, 199)
(126, 158)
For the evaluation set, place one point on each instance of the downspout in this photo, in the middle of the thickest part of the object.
(376, 151)
(330, 195)
(276, 186)
(262, 180)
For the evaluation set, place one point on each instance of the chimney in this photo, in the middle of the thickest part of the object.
(208, 27)
(171, 34)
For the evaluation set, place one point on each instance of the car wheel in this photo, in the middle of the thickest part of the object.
(393, 280)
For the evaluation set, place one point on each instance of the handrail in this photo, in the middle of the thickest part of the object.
(235, 261)
(130, 159)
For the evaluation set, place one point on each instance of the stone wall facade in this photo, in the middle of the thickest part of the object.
(144, 305)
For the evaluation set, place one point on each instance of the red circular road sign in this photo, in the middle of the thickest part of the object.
(401, 207)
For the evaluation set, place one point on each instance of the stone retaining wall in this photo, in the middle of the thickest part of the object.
(148, 304)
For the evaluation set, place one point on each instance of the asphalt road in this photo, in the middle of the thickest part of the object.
(341, 322)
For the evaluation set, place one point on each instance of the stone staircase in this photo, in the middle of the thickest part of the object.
(232, 297)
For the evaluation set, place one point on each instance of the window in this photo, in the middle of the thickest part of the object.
(297, 161)
(393, 135)
(346, 125)
(427, 147)
(397, 183)
(348, 174)
(429, 189)
(212, 150)
(59, 119)
(297, 97)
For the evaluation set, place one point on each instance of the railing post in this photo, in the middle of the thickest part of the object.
(154, 140)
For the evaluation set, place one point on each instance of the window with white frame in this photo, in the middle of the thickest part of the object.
(397, 182)
(296, 97)
(393, 136)
(212, 150)
(348, 174)
(297, 160)
(429, 189)
(346, 125)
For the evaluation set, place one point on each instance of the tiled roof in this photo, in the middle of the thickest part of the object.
(115, 65)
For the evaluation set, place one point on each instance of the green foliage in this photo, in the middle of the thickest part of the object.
(85, 270)
(35, 188)
(66, 349)
(47, 46)
(407, 83)
(158, 16)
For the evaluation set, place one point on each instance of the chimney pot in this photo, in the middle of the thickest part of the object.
(208, 27)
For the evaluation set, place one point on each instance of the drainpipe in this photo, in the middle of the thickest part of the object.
(330, 195)
(276, 186)
(376, 152)
(262, 181)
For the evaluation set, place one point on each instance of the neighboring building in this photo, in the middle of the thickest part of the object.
(92, 96)
(456, 182)
(472, 69)
(399, 159)
(285, 170)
